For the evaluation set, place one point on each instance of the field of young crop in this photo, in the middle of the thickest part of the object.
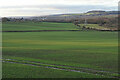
(18, 26)
(71, 54)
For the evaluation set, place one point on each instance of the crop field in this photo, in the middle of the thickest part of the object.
(18, 26)
(58, 54)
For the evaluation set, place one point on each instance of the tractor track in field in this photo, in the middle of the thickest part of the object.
(63, 67)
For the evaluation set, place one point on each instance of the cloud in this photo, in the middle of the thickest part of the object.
(46, 7)
(57, 2)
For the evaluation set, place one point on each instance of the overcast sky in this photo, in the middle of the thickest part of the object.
(47, 7)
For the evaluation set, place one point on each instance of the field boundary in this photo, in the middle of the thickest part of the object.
(57, 30)
(40, 30)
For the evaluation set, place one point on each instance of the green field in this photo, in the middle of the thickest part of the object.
(96, 26)
(18, 26)
(39, 72)
(93, 53)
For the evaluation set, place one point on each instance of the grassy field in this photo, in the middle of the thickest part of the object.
(92, 52)
(18, 26)
(96, 26)
(39, 72)
(93, 26)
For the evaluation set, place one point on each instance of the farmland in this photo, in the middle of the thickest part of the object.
(97, 27)
(22, 26)
(94, 26)
(71, 54)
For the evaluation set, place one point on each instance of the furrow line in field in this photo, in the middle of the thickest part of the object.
(88, 69)
(51, 67)
(61, 67)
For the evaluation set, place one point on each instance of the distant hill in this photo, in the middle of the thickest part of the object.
(103, 12)
(71, 16)
(102, 18)
(95, 13)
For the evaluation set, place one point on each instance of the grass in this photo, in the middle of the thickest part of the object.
(26, 71)
(69, 47)
(96, 26)
(86, 49)
(18, 26)
(65, 67)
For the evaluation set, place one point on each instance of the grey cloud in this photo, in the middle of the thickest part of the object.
(77, 8)
(51, 9)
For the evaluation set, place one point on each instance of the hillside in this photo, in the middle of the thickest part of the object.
(69, 17)
(102, 18)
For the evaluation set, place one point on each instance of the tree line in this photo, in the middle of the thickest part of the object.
(102, 21)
